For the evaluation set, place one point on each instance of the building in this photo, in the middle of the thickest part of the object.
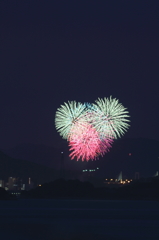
(2, 184)
(14, 184)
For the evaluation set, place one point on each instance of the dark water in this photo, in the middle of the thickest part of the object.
(79, 219)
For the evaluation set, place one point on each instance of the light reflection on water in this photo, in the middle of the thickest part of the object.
(63, 219)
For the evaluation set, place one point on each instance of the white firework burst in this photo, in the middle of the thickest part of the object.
(110, 117)
(67, 115)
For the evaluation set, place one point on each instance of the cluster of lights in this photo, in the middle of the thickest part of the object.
(126, 181)
(16, 193)
(91, 128)
(90, 170)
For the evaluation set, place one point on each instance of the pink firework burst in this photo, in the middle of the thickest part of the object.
(105, 145)
(85, 142)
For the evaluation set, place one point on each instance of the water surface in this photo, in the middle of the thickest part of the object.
(79, 219)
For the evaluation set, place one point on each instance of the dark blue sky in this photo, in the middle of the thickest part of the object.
(55, 51)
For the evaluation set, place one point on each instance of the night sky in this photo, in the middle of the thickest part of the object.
(55, 51)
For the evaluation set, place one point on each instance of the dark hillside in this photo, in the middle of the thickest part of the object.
(10, 167)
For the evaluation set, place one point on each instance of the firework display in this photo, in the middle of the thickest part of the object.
(67, 115)
(111, 117)
(91, 128)
(85, 142)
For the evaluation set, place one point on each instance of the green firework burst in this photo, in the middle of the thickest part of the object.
(110, 117)
(67, 115)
